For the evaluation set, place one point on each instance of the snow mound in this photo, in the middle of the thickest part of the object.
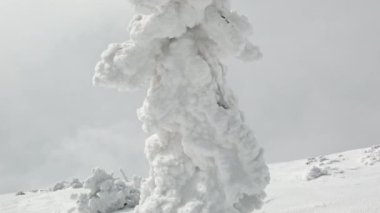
(316, 172)
(322, 166)
(108, 194)
(75, 184)
(372, 155)
(20, 193)
(60, 186)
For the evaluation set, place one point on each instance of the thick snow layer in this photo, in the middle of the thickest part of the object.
(354, 190)
(203, 158)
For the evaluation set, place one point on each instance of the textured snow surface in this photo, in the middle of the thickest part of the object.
(203, 158)
(372, 155)
(341, 183)
(355, 190)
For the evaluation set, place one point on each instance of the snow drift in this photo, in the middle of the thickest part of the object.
(202, 156)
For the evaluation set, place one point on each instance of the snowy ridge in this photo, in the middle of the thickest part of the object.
(354, 189)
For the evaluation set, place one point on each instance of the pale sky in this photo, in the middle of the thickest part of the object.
(315, 91)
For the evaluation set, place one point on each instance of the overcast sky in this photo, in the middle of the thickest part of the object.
(315, 91)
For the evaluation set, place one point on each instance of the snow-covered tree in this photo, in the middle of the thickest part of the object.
(203, 158)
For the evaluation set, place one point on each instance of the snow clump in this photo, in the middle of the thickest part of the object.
(76, 184)
(20, 193)
(60, 186)
(107, 194)
(315, 172)
(372, 155)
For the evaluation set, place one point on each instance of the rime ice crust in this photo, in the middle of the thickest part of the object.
(203, 158)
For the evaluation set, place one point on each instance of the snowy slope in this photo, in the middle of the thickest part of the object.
(347, 182)
(351, 185)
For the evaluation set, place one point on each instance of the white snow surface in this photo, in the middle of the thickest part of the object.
(202, 156)
(347, 183)
(354, 189)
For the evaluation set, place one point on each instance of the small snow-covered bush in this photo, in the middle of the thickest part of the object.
(20, 193)
(372, 156)
(60, 186)
(76, 184)
(316, 172)
(108, 194)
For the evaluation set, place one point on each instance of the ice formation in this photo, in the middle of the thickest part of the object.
(203, 158)
(107, 194)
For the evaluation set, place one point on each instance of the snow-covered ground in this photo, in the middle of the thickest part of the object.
(40, 202)
(347, 182)
(62, 201)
